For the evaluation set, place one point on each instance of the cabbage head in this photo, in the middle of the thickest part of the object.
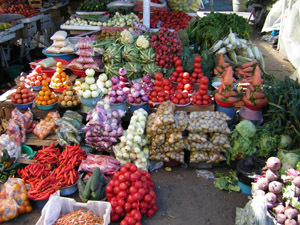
(246, 129)
(289, 159)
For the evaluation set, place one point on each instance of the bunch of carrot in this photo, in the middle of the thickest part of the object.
(245, 70)
(44, 182)
(221, 67)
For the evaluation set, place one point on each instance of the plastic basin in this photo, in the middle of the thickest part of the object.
(90, 101)
(24, 106)
(133, 107)
(46, 107)
(28, 151)
(65, 191)
(64, 56)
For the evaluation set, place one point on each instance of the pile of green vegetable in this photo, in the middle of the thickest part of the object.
(283, 113)
(215, 26)
(227, 182)
(250, 140)
(94, 5)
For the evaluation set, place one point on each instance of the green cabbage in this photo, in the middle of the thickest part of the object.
(246, 129)
(266, 143)
(288, 159)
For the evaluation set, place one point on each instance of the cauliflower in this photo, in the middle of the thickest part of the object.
(126, 37)
(142, 42)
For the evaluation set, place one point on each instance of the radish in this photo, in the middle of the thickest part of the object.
(290, 212)
(280, 218)
(273, 163)
(290, 222)
(272, 175)
(259, 193)
(279, 209)
(275, 187)
(271, 198)
(262, 183)
(296, 181)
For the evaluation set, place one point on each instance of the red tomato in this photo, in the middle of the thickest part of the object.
(185, 81)
(167, 97)
(201, 75)
(197, 70)
(192, 80)
(161, 94)
(167, 88)
(179, 79)
(180, 75)
(198, 81)
(187, 87)
(198, 97)
(204, 80)
(173, 78)
(178, 95)
(175, 74)
(178, 63)
(158, 83)
(185, 75)
(172, 91)
(198, 59)
(175, 58)
(158, 76)
(161, 99)
(206, 97)
(194, 75)
(203, 87)
(202, 92)
(182, 102)
(205, 102)
(180, 86)
(175, 101)
(38, 68)
(153, 94)
(197, 65)
(158, 89)
(179, 69)
(185, 95)
(166, 82)
(154, 99)
(199, 102)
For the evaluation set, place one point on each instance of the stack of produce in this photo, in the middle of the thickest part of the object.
(254, 96)
(7, 144)
(59, 78)
(132, 53)
(164, 131)
(19, 125)
(166, 45)
(104, 127)
(120, 20)
(60, 43)
(22, 95)
(120, 87)
(162, 89)
(221, 66)
(172, 20)
(181, 97)
(227, 94)
(19, 7)
(237, 50)
(44, 180)
(92, 188)
(45, 96)
(14, 200)
(201, 97)
(208, 136)
(245, 70)
(93, 5)
(132, 147)
(35, 77)
(104, 83)
(69, 96)
(46, 126)
(281, 193)
(85, 60)
(131, 194)
(89, 88)
(69, 128)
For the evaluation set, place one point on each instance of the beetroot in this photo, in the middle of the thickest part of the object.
(271, 198)
(290, 212)
(279, 209)
(290, 222)
(275, 187)
(262, 183)
(296, 181)
(259, 193)
(273, 163)
(272, 175)
(280, 218)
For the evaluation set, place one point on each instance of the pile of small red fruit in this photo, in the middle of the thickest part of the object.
(22, 95)
(201, 97)
(35, 77)
(131, 195)
(162, 90)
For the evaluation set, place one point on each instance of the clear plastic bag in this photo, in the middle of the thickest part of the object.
(59, 35)
(85, 60)
(67, 49)
(86, 52)
(59, 44)
(93, 66)
(186, 6)
(75, 65)
(52, 50)
(84, 42)
(46, 126)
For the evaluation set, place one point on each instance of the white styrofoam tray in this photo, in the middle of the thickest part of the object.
(74, 27)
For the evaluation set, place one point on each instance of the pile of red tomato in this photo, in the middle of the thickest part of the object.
(131, 195)
(162, 90)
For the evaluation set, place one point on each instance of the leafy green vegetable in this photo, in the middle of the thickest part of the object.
(266, 144)
(289, 159)
(215, 26)
(227, 182)
(246, 129)
(289, 195)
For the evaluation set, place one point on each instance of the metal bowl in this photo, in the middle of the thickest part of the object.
(65, 191)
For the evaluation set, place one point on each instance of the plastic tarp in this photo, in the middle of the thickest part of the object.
(289, 40)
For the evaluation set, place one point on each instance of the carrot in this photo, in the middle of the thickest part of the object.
(244, 74)
(248, 64)
(251, 87)
(221, 60)
(261, 102)
(248, 69)
(225, 65)
(248, 93)
(247, 101)
(228, 79)
(216, 72)
(257, 77)
(230, 94)
(220, 97)
(232, 100)
(219, 69)
(221, 89)
(258, 95)
(238, 69)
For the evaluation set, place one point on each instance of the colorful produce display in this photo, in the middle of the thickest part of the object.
(35, 77)
(131, 194)
(162, 89)
(120, 88)
(22, 95)
(46, 126)
(19, 8)
(69, 96)
(59, 79)
(89, 88)
(46, 96)
(140, 91)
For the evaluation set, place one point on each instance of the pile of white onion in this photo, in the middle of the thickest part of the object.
(133, 146)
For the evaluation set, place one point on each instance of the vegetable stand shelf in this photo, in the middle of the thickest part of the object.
(32, 139)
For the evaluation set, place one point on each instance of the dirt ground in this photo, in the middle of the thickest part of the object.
(182, 197)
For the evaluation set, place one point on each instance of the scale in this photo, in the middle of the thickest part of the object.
(251, 114)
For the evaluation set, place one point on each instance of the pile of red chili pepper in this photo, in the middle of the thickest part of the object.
(172, 20)
(52, 170)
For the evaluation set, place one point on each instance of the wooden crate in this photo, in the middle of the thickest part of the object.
(37, 4)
